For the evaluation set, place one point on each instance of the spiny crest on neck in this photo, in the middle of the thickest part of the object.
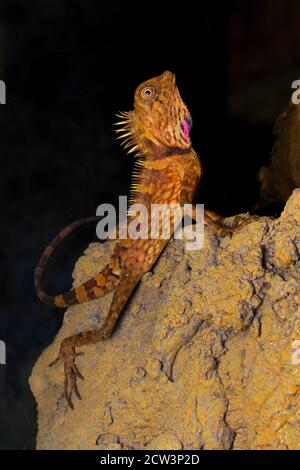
(128, 133)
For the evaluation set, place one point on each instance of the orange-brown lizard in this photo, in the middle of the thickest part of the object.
(167, 171)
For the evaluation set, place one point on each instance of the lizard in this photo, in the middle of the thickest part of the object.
(167, 171)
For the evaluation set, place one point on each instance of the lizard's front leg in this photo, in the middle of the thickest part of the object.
(239, 221)
(68, 346)
(215, 222)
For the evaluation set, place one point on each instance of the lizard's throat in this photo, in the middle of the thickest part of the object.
(136, 142)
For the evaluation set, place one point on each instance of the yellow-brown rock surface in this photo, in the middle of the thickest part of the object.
(204, 357)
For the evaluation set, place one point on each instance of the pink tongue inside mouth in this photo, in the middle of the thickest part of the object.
(186, 131)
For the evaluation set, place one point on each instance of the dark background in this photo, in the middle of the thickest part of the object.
(69, 66)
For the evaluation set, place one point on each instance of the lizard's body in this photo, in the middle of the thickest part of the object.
(168, 172)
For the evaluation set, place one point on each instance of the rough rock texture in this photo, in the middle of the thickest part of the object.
(205, 355)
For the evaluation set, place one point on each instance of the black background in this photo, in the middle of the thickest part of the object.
(69, 66)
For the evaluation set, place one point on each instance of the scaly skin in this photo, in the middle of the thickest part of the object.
(167, 171)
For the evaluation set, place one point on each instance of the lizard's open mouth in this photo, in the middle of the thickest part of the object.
(186, 127)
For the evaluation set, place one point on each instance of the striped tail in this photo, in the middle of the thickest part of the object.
(95, 287)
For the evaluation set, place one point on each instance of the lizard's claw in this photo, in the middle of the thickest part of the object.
(68, 354)
(71, 375)
(240, 222)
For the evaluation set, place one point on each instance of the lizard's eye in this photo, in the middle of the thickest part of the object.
(148, 93)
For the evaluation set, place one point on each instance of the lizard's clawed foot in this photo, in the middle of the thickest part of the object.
(68, 354)
(238, 224)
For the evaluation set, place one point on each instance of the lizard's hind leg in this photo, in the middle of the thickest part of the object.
(68, 352)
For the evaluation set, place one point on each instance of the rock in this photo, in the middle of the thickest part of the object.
(206, 355)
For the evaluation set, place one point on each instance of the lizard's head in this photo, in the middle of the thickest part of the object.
(159, 117)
